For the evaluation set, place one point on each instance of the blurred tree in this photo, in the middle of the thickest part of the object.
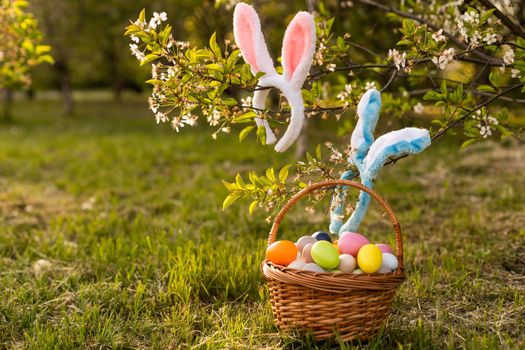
(20, 48)
(59, 20)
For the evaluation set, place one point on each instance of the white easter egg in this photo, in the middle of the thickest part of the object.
(389, 261)
(313, 268)
(303, 241)
(297, 264)
(384, 269)
(347, 263)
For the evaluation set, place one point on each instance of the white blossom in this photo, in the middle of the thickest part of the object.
(157, 19)
(418, 108)
(331, 67)
(398, 58)
(471, 17)
(136, 52)
(161, 117)
(508, 57)
(445, 58)
(343, 95)
(370, 85)
(515, 73)
(490, 38)
(177, 123)
(438, 36)
(486, 121)
(214, 118)
(189, 119)
(134, 38)
(246, 102)
(153, 104)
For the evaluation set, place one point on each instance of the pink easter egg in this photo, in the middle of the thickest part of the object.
(385, 248)
(307, 256)
(351, 242)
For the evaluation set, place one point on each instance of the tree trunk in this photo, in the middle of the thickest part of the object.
(65, 85)
(8, 105)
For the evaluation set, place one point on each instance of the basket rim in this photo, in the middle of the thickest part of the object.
(272, 235)
(340, 282)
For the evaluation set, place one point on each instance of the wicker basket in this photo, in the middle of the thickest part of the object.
(328, 304)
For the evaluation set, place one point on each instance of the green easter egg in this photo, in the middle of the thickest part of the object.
(325, 255)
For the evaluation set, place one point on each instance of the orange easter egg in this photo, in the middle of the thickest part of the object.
(281, 252)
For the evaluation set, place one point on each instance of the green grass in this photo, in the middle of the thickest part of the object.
(111, 236)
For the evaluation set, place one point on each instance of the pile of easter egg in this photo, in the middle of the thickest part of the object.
(352, 252)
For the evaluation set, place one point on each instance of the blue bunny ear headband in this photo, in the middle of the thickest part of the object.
(369, 156)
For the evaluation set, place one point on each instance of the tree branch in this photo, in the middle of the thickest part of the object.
(513, 27)
(443, 130)
(430, 25)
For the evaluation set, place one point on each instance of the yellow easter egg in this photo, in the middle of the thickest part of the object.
(369, 258)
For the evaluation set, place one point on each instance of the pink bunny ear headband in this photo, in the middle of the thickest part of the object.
(297, 53)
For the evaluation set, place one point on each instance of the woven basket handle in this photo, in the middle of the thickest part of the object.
(330, 183)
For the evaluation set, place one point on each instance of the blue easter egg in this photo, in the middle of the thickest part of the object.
(322, 236)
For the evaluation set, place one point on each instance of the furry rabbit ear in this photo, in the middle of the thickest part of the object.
(392, 144)
(250, 40)
(362, 137)
(298, 48)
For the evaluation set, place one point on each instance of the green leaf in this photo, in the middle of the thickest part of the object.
(252, 207)
(245, 132)
(214, 46)
(468, 143)
(261, 134)
(232, 59)
(283, 173)
(142, 15)
(444, 90)
(432, 96)
(239, 181)
(494, 78)
(486, 88)
(216, 67)
(318, 152)
(230, 186)
(270, 174)
(230, 199)
(244, 118)
(149, 58)
(229, 102)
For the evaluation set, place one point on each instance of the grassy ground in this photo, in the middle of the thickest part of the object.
(111, 236)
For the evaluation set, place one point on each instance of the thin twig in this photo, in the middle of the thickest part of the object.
(443, 130)
(513, 27)
(418, 19)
